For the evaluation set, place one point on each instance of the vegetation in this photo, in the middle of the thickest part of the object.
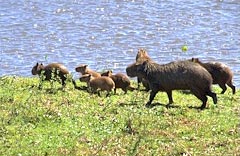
(52, 121)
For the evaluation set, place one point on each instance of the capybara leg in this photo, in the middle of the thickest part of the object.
(213, 95)
(203, 106)
(74, 83)
(224, 88)
(139, 81)
(232, 86)
(152, 95)
(125, 90)
(169, 93)
(63, 82)
(98, 92)
(201, 97)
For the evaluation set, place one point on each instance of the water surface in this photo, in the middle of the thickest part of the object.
(107, 34)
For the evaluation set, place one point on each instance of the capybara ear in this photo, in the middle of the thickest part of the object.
(192, 59)
(37, 64)
(41, 64)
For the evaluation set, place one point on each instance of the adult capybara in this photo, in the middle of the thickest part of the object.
(120, 80)
(142, 56)
(52, 71)
(95, 83)
(83, 69)
(220, 72)
(179, 75)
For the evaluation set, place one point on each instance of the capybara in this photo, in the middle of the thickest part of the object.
(142, 56)
(95, 83)
(83, 69)
(52, 71)
(120, 80)
(220, 72)
(179, 75)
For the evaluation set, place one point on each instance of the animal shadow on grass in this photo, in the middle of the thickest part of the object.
(172, 106)
(81, 88)
(163, 105)
(122, 104)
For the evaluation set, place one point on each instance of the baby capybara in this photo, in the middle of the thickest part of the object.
(142, 56)
(180, 75)
(220, 72)
(95, 83)
(52, 71)
(83, 69)
(120, 80)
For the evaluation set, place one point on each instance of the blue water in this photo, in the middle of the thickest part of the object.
(107, 34)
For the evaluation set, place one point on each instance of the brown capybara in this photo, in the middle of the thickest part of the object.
(120, 80)
(220, 72)
(95, 83)
(142, 56)
(52, 71)
(179, 75)
(83, 69)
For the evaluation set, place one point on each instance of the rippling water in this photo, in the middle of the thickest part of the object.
(107, 34)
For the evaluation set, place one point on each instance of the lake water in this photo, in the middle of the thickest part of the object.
(107, 34)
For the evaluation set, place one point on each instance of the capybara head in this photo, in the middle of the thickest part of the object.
(136, 69)
(85, 78)
(37, 68)
(195, 60)
(107, 73)
(142, 55)
(81, 68)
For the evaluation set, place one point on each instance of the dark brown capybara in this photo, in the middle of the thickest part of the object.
(142, 56)
(179, 75)
(220, 72)
(52, 71)
(121, 81)
(83, 69)
(95, 83)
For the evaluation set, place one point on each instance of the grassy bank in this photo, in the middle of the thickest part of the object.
(52, 121)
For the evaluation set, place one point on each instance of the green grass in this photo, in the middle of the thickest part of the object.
(52, 121)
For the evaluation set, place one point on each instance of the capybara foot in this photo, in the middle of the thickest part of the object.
(233, 89)
(203, 106)
(214, 98)
(223, 92)
(148, 105)
(168, 105)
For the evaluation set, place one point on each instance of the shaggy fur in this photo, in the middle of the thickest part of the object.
(180, 75)
(220, 73)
